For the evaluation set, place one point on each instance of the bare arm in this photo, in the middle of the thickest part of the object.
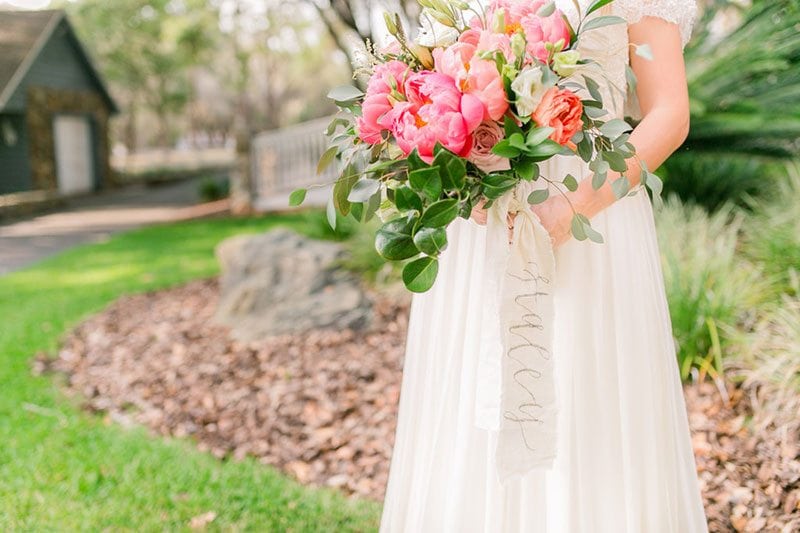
(664, 101)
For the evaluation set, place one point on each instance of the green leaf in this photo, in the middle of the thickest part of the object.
(585, 149)
(330, 213)
(594, 89)
(594, 112)
(545, 150)
(538, 196)
(342, 188)
(570, 183)
(415, 162)
(345, 93)
(393, 240)
(620, 187)
(504, 149)
(420, 274)
(439, 214)
(578, 228)
(598, 179)
(363, 190)
(593, 234)
(297, 197)
(615, 161)
(527, 169)
(327, 158)
(357, 211)
(653, 182)
(517, 141)
(644, 51)
(431, 241)
(372, 206)
(427, 181)
(614, 128)
(511, 127)
(546, 10)
(598, 4)
(601, 22)
(452, 168)
(406, 199)
(539, 135)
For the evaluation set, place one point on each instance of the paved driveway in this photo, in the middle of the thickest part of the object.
(95, 218)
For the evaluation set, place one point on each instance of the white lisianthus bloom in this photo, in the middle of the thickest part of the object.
(529, 90)
(433, 33)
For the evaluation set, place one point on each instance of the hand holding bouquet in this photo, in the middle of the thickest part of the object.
(464, 114)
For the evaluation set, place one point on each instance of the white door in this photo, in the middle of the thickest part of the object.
(74, 166)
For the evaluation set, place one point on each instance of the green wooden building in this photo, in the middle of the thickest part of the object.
(54, 108)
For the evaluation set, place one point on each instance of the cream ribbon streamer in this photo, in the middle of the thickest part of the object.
(516, 391)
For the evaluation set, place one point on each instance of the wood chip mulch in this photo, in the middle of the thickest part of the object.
(322, 406)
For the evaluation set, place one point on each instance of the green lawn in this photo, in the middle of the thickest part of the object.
(64, 470)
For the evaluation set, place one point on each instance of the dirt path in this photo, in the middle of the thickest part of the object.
(95, 218)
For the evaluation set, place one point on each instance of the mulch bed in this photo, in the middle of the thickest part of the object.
(322, 406)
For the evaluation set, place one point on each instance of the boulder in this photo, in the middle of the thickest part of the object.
(281, 282)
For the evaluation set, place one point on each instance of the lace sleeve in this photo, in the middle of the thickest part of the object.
(681, 12)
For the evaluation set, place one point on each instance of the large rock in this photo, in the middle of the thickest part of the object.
(280, 282)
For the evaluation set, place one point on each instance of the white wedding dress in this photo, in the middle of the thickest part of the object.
(624, 460)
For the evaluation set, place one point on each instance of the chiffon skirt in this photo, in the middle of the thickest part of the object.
(624, 457)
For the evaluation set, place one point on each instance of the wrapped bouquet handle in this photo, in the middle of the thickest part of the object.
(516, 389)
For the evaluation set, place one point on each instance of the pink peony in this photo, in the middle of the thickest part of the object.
(520, 16)
(539, 31)
(377, 108)
(513, 12)
(475, 76)
(560, 109)
(435, 111)
(486, 136)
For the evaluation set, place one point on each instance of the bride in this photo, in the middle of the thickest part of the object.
(624, 461)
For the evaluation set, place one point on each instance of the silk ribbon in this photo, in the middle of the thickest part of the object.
(516, 390)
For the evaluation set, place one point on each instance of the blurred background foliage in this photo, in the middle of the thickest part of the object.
(193, 72)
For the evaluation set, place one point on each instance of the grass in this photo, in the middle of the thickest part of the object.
(64, 470)
(710, 287)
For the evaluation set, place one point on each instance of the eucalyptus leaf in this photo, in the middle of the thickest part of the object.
(644, 51)
(593, 234)
(620, 187)
(578, 228)
(538, 196)
(594, 89)
(345, 93)
(363, 190)
(594, 112)
(615, 161)
(602, 22)
(372, 206)
(330, 213)
(297, 197)
(615, 128)
(342, 188)
(328, 157)
(546, 10)
(598, 4)
(570, 183)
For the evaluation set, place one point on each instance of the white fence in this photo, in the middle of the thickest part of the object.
(286, 159)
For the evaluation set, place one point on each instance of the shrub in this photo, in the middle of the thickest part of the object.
(774, 236)
(213, 189)
(711, 290)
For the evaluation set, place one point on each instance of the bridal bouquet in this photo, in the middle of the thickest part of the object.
(461, 115)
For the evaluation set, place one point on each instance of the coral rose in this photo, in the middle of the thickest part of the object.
(561, 110)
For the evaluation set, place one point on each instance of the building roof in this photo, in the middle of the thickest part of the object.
(23, 35)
